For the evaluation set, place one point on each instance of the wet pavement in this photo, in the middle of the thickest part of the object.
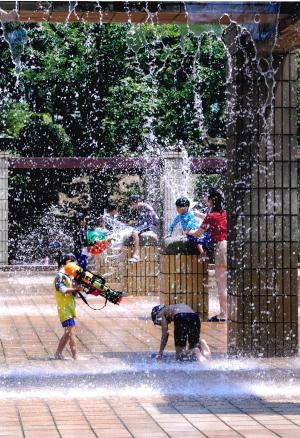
(117, 389)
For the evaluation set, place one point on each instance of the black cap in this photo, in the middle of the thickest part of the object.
(155, 312)
(182, 202)
(64, 257)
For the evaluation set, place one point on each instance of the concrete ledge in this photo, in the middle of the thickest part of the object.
(149, 238)
(179, 245)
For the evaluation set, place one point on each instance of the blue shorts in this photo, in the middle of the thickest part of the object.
(68, 322)
(205, 240)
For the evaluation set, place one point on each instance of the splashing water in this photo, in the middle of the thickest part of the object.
(44, 241)
(16, 37)
(130, 374)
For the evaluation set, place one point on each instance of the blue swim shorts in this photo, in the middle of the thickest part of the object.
(68, 322)
(204, 240)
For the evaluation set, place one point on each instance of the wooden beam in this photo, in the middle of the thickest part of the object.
(116, 164)
(137, 12)
(113, 164)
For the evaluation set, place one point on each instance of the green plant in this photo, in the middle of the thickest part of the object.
(40, 138)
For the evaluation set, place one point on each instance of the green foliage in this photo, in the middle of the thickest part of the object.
(17, 115)
(41, 138)
(203, 183)
(70, 70)
(127, 107)
(113, 87)
(170, 69)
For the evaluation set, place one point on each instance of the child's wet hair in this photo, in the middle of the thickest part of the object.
(217, 199)
(182, 202)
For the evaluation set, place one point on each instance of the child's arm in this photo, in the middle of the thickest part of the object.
(155, 217)
(164, 336)
(195, 233)
(173, 225)
(60, 285)
(201, 230)
(73, 290)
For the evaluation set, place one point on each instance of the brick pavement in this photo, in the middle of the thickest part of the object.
(117, 390)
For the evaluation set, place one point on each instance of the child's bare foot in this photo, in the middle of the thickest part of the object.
(134, 258)
(199, 355)
(58, 356)
(205, 350)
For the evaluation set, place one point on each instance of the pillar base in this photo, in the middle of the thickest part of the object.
(184, 279)
(141, 278)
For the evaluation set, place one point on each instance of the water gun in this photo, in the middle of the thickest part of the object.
(97, 242)
(93, 284)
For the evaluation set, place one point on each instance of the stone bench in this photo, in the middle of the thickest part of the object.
(183, 278)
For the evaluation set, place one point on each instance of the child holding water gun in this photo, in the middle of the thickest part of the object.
(65, 297)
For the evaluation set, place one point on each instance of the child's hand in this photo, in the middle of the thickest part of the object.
(190, 232)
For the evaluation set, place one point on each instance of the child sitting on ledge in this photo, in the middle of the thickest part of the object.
(188, 221)
(147, 220)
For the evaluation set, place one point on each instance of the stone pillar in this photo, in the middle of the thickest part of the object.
(261, 201)
(3, 208)
(175, 182)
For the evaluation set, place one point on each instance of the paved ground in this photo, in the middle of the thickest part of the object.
(116, 389)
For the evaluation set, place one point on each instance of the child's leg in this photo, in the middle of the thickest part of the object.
(62, 343)
(200, 249)
(72, 342)
(221, 280)
(136, 244)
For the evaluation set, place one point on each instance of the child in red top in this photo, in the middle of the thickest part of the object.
(216, 222)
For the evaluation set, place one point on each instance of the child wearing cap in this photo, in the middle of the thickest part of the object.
(65, 299)
(186, 330)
